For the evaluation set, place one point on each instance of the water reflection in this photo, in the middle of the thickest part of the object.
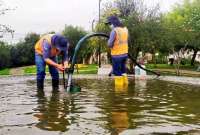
(119, 117)
(140, 84)
(145, 107)
(121, 89)
(52, 113)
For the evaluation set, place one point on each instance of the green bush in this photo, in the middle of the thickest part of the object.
(22, 53)
(4, 55)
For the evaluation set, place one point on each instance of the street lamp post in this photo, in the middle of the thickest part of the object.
(99, 9)
(93, 21)
(99, 48)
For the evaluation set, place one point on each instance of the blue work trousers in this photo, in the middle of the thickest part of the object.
(41, 65)
(119, 65)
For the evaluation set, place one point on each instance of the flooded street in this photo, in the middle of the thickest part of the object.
(145, 107)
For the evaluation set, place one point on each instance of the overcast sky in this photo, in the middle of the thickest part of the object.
(42, 16)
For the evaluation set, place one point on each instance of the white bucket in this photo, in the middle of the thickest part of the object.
(140, 73)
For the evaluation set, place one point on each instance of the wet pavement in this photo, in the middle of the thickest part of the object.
(143, 107)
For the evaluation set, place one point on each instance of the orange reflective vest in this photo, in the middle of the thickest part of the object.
(39, 47)
(121, 41)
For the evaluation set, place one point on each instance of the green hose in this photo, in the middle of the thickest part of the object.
(71, 69)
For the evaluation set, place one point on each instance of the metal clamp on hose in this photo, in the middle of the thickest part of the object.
(69, 70)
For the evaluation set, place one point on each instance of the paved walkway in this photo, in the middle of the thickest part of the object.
(17, 71)
(180, 79)
(182, 72)
(104, 70)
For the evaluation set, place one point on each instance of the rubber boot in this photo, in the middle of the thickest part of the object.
(119, 81)
(40, 84)
(119, 84)
(125, 79)
(55, 84)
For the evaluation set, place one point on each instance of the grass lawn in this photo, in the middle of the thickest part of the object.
(4, 71)
(166, 66)
(165, 69)
(87, 69)
(90, 69)
(32, 70)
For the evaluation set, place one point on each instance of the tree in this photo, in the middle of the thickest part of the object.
(30, 41)
(178, 35)
(4, 28)
(144, 24)
(23, 52)
(74, 34)
(192, 24)
(4, 55)
(186, 17)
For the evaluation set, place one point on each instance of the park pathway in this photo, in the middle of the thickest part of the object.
(17, 71)
(183, 72)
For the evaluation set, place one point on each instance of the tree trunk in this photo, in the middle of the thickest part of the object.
(131, 67)
(193, 57)
(154, 59)
(87, 59)
(178, 67)
(132, 64)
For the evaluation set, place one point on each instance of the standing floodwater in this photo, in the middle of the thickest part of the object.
(145, 107)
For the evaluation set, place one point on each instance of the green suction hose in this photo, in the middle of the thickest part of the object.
(70, 87)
